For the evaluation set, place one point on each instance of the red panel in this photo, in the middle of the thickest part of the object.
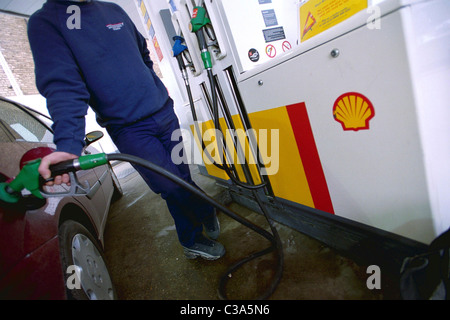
(310, 157)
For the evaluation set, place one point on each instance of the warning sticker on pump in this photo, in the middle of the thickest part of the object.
(270, 17)
(271, 51)
(317, 16)
(286, 46)
(253, 55)
(274, 34)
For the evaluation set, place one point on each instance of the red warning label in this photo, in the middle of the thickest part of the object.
(271, 51)
(286, 46)
(309, 23)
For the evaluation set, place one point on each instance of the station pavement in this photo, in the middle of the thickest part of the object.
(146, 261)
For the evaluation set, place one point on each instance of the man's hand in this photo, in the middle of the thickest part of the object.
(55, 158)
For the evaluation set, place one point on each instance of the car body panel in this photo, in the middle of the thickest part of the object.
(27, 279)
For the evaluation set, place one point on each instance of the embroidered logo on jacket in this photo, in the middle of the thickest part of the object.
(115, 26)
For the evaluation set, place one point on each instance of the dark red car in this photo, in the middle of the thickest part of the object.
(51, 249)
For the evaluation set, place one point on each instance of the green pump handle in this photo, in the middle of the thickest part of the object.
(30, 179)
(198, 22)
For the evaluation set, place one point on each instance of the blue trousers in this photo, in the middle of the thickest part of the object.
(150, 139)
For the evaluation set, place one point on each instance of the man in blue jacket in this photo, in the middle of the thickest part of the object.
(102, 60)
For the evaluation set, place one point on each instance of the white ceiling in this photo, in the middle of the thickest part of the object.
(28, 7)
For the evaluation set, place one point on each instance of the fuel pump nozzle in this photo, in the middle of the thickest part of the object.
(198, 23)
(178, 50)
(30, 179)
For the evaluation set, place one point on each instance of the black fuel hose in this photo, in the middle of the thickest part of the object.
(273, 237)
(256, 189)
(218, 127)
(197, 192)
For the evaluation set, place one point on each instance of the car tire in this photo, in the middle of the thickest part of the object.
(86, 275)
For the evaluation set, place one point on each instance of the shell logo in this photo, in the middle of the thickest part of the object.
(353, 111)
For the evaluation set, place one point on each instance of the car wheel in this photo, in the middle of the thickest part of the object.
(84, 267)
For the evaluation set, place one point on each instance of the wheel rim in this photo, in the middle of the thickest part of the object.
(92, 270)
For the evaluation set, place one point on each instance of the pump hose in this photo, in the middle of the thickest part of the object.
(276, 246)
(222, 166)
(256, 189)
(273, 238)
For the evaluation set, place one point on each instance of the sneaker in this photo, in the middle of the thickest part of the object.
(205, 248)
(212, 227)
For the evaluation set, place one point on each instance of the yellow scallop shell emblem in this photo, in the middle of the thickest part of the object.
(353, 111)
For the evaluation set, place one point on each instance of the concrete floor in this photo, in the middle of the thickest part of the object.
(146, 261)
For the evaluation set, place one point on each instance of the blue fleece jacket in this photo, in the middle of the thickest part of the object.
(104, 63)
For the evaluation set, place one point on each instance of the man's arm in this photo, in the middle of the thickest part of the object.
(144, 51)
(60, 81)
(142, 44)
